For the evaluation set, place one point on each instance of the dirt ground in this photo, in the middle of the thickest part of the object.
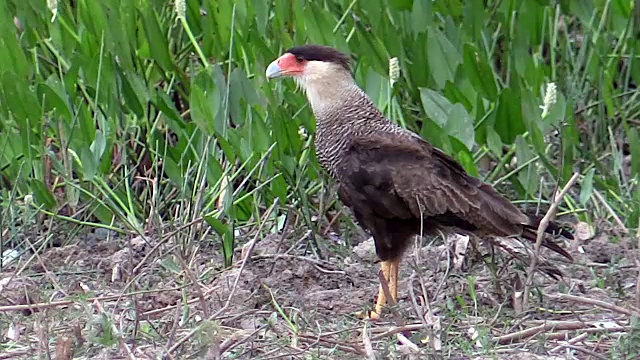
(124, 297)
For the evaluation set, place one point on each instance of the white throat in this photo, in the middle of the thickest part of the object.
(326, 85)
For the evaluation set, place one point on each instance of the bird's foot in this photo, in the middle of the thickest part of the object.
(368, 315)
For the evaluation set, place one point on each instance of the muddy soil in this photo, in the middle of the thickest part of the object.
(285, 304)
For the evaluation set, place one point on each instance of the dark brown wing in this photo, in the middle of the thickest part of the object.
(401, 177)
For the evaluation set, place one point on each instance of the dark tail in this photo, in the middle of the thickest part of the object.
(530, 233)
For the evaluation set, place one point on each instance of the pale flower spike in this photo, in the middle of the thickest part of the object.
(302, 132)
(53, 7)
(181, 9)
(550, 98)
(394, 70)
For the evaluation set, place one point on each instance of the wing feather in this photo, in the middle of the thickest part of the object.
(397, 183)
(428, 182)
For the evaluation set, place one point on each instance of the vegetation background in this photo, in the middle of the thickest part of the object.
(153, 120)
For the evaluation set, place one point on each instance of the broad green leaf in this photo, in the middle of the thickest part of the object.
(169, 112)
(443, 57)
(493, 142)
(375, 50)
(236, 97)
(228, 150)
(634, 150)
(436, 106)
(225, 231)
(461, 92)
(528, 176)
(158, 44)
(421, 16)
(98, 146)
(586, 188)
(223, 14)
(436, 136)
(134, 92)
(316, 22)
(261, 10)
(460, 125)
(376, 86)
(93, 17)
(474, 18)
(419, 76)
(556, 115)
(54, 98)
(85, 131)
(607, 94)
(479, 72)
(536, 139)
(217, 96)
(466, 160)
(21, 101)
(401, 4)
(42, 195)
(203, 107)
(88, 163)
(12, 58)
(173, 171)
(261, 140)
(454, 119)
(508, 116)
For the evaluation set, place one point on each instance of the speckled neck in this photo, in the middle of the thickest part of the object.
(350, 115)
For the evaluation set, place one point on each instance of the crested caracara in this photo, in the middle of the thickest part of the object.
(396, 183)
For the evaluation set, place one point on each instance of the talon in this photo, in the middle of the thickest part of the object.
(367, 315)
(374, 315)
(389, 271)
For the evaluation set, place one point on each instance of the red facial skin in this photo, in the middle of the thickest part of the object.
(290, 65)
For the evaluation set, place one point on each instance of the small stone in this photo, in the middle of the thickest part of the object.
(103, 234)
(366, 250)
(584, 231)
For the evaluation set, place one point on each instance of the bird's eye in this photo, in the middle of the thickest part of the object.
(299, 59)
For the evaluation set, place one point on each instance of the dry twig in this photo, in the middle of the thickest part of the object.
(583, 350)
(61, 303)
(408, 343)
(598, 303)
(15, 354)
(311, 340)
(235, 340)
(552, 326)
(397, 329)
(176, 323)
(540, 235)
(571, 341)
(366, 341)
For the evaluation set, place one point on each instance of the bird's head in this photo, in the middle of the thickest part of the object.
(321, 71)
(309, 61)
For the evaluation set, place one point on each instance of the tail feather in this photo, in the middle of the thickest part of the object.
(543, 266)
(502, 215)
(553, 229)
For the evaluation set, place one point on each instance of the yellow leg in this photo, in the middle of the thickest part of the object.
(390, 272)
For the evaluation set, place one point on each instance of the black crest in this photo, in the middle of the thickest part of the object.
(320, 53)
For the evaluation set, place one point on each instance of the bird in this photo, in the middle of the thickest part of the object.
(396, 184)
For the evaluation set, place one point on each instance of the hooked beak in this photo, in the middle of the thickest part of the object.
(274, 70)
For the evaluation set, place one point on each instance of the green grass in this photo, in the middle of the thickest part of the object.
(128, 112)
(128, 117)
